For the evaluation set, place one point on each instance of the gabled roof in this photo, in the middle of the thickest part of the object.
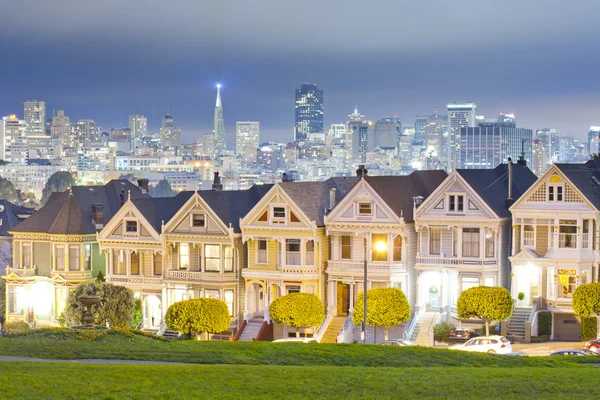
(11, 214)
(492, 185)
(313, 197)
(398, 191)
(158, 209)
(70, 212)
(581, 175)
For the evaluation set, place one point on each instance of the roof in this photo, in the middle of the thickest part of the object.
(492, 185)
(313, 197)
(158, 209)
(398, 191)
(70, 212)
(581, 175)
(11, 214)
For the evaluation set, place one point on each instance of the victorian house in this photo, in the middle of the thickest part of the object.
(464, 230)
(56, 249)
(555, 242)
(10, 215)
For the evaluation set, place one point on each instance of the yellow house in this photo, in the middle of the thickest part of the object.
(287, 247)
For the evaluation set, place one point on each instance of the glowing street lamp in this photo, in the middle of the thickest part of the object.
(379, 247)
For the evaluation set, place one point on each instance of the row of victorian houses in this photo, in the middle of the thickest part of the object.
(444, 233)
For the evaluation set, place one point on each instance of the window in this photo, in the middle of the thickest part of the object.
(292, 252)
(279, 213)
(346, 248)
(555, 192)
(364, 208)
(59, 254)
(377, 255)
(296, 289)
(26, 255)
(212, 258)
(566, 286)
(468, 282)
(184, 256)
(158, 264)
(87, 257)
(397, 251)
(261, 252)
(489, 243)
(228, 267)
(74, 258)
(16, 304)
(470, 241)
(585, 234)
(118, 262)
(310, 252)
(489, 281)
(567, 234)
(131, 227)
(229, 296)
(528, 236)
(435, 236)
(456, 203)
(135, 263)
(215, 294)
(198, 220)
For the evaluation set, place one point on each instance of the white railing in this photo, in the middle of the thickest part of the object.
(310, 258)
(529, 238)
(347, 266)
(567, 240)
(585, 239)
(455, 260)
(162, 328)
(532, 321)
(347, 335)
(437, 318)
(318, 335)
(413, 324)
(198, 275)
(262, 257)
(293, 258)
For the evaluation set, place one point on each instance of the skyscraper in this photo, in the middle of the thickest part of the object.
(384, 133)
(13, 140)
(170, 135)
(61, 129)
(359, 131)
(86, 133)
(219, 126)
(34, 114)
(309, 111)
(594, 139)
(138, 124)
(246, 140)
(459, 116)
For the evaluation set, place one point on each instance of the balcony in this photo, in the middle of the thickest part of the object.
(437, 260)
(22, 272)
(353, 267)
(136, 280)
(186, 275)
(567, 240)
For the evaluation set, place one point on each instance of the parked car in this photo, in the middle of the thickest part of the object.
(593, 345)
(396, 342)
(486, 344)
(296, 340)
(462, 334)
(572, 352)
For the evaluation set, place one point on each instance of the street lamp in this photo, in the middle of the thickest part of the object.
(379, 246)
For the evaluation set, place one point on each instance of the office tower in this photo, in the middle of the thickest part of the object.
(61, 128)
(34, 114)
(309, 111)
(459, 116)
(384, 133)
(219, 126)
(359, 131)
(170, 135)
(13, 140)
(539, 162)
(120, 134)
(246, 140)
(434, 142)
(594, 139)
(549, 138)
(138, 124)
(86, 133)
(420, 124)
(337, 134)
(205, 145)
(356, 116)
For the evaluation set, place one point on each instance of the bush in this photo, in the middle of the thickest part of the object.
(195, 316)
(540, 339)
(137, 314)
(544, 323)
(11, 328)
(386, 307)
(115, 307)
(485, 303)
(298, 310)
(521, 296)
(441, 332)
(2, 300)
(586, 299)
(588, 328)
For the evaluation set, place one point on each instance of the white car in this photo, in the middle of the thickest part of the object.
(486, 344)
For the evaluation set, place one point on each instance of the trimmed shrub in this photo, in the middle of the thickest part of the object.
(194, 316)
(299, 310)
(11, 328)
(137, 313)
(115, 307)
(588, 328)
(586, 299)
(521, 296)
(544, 321)
(485, 303)
(441, 332)
(386, 307)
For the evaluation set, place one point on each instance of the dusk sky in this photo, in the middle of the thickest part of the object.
(106, 59)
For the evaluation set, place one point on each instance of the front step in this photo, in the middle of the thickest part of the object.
(251, 330)
(171, 335)
(333, 329)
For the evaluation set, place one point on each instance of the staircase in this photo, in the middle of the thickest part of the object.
(420, 335)
(333, 329)
(516, 324)
(171, 335)
(251, 329)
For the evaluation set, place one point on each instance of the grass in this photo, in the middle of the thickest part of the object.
(71, 381)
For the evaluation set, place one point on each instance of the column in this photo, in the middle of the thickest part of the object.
(303, 252)
(579, 233)
(352, 289)
(459, 240)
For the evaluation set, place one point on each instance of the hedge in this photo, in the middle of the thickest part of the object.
(588, 328)
(544, 320)
(441, 332)
(194, 316)
(298, 310)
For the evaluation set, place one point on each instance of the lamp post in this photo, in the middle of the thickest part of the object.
(379, 246)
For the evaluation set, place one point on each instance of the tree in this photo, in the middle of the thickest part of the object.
(8, 191)
(74, 310)
(194, 316)
(137, 314)
(386, 307)
(162, 189)
(485, 303)
(586, 302)
(299, 310)
(2, 301)
(116, 306)
(58, 182)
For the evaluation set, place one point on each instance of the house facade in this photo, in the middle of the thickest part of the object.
(10, 215)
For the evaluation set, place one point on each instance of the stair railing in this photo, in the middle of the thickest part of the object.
(413, 324)
(239, 332)
(318, 335)
(346, 335)
(162, 328)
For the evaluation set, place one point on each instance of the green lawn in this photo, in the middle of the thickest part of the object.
(66, 381)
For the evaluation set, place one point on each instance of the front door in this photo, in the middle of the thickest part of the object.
(343, 298)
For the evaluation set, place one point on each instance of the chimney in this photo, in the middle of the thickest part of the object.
(98, 215)
(331, 198)
(143, 185)
(122, 197)
(361, 171)
(522, 160)
(509, 200)
(217, 182)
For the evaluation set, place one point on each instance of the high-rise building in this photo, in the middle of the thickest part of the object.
(138, 124)
(539, 155)
(205, 145)
(13, 140)
(246, 141)
(337, 134)
(459, 116)
(594, 139)
(359, 131)
(219, 126)
(384, 133)
(170, 135)
(309, 111)
(34, 114)
(61, 128)
(86, 133)
(356, 116)
(420, 124)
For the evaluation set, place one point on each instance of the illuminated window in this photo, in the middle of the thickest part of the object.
(158, 264)
(87, 257)
(135, 264)
(397, 254)
(59, 258)
(489, 243)
(74, 258)
(228, 266)
(229, 300)
(379, 255)
(212, 258)
(184, 256)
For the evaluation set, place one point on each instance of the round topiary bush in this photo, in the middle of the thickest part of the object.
(485, 303)
(299, 310)
(386, 307)
(195, 316)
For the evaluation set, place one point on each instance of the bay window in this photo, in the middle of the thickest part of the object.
(158, 259)
(261, 252)
(118, 262)
(74, 258)
(229, 296)
(292, 252)
(87, 257)
(470, 239)
(212, 258)
(379, 255)
(26, 255)
(59, 258)
(135, 263)
(567, 234)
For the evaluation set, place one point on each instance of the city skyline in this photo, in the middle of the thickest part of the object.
(404, 70)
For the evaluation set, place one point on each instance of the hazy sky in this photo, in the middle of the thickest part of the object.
(106, 59)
